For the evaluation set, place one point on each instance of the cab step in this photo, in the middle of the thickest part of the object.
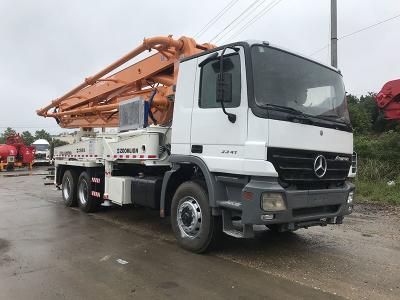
(244, 231)
(230, 205)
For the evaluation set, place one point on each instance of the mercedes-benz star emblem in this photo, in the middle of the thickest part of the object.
(320, 166)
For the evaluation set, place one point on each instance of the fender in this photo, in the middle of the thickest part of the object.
(215, 189)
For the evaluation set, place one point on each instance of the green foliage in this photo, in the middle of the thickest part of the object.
(366, 117)
(378, 163)
(384, 147)
(360, 119)
(57, 143)
(377, 191)
(43, 134)
(377, 143)
(9, 131)
(54, 144)
(27, 137)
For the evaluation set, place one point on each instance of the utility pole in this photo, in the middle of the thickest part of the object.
(334, 39)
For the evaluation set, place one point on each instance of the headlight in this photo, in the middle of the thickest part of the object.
(272, 202)
(350, 197)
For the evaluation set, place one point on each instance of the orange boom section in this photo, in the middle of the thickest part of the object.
(94, 103)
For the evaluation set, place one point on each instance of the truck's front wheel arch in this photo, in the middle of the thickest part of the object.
(187, 168)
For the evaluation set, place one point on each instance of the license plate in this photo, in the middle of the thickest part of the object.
(318, 199)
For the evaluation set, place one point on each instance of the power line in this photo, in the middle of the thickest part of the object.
(357, 31)
(235, 19)
(264, 10)
(215, 18)
(238, 23)
(268, 8)
(368, 27)
(319, 50)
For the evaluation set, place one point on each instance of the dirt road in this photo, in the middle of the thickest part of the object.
(49, 251)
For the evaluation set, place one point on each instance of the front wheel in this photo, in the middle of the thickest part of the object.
(86, 201)
(192, 222)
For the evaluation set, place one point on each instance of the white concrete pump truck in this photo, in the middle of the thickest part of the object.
(258, 136)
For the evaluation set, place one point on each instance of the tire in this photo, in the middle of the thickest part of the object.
(68, 189)
(189, 203)
(86, 201)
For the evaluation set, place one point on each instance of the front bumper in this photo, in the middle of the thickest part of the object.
(303, 207)
(41, 161)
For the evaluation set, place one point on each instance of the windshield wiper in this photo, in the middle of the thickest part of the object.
(267, 105)
(335, 117)
(297, 115)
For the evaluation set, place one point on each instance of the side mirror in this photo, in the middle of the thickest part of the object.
(224, 87)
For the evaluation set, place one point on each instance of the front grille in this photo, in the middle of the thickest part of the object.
(306, 211)
(296, 167)
(40, 155)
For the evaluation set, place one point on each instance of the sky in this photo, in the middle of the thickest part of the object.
(47, 47)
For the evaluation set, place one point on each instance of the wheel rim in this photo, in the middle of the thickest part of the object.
(67, 188)
(189, 217)
(83, 192)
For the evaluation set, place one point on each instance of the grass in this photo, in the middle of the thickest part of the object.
(377, 191)
(378, 163)
(371, 182)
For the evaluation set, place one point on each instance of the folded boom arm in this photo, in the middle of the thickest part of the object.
(94, 103)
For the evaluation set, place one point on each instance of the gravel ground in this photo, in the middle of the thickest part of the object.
(359, 259)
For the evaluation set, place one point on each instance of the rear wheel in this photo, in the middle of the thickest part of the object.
(192, 222)
(68, 188)
(86, 201)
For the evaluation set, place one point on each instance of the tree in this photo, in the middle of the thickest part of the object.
(9, 131)
(360, 118)
(27, 137)
(57, 143)
(54, 144)
(366, 117)
(43, 134)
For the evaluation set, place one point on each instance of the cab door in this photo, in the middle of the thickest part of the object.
(214, 138)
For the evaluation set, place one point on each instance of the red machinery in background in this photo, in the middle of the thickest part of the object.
(388, 99)
(16, 154)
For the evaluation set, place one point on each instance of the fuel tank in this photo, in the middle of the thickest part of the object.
(7, 150)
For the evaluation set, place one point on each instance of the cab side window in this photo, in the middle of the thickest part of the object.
(208, 80)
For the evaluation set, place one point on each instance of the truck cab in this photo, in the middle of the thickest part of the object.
(285, 158)
(42, 153)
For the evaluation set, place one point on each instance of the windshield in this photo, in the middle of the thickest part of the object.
(285, 80)
(41, 147)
